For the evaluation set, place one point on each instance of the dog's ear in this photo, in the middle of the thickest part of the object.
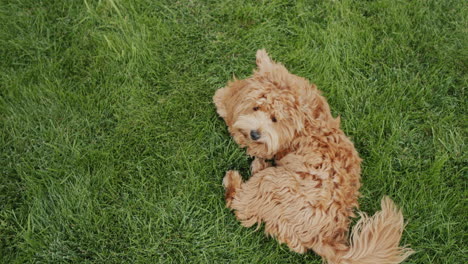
(218, 100)
(263, 61)
(227, 99)
(313, 103)
(307, 93)
(272, 71)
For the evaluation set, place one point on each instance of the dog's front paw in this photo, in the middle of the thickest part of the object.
(259, 164)
(231, 182)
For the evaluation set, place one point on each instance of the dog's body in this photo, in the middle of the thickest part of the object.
(306, 199)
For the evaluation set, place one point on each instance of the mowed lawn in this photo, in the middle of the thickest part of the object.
(112, 152)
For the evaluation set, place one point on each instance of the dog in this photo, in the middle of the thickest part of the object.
(305, 173)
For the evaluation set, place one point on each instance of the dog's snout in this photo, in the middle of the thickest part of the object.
(254, 134)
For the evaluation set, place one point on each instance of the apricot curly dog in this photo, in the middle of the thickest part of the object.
(307, 198)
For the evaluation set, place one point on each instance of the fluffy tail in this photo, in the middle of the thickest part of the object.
(375, 239)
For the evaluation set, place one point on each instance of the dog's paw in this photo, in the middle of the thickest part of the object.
(231, 182)
(232, 179)
(259, 164)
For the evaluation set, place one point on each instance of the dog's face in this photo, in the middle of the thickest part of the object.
(266, 111)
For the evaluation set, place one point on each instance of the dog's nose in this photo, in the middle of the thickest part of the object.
(254, 134)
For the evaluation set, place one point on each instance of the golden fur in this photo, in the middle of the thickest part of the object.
(306, 199)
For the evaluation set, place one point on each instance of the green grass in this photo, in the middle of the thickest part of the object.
(111, 150)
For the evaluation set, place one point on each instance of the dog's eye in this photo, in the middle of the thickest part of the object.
(256, 108)
(273, 119)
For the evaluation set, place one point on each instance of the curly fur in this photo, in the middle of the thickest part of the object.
(306, 199)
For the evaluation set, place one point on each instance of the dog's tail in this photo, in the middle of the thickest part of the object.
(376, 239)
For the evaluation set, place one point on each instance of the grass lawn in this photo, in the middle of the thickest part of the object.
(111, 150)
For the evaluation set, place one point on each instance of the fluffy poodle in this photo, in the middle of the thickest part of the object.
(306, 172)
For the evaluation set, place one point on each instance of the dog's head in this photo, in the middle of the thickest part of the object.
(268, 110)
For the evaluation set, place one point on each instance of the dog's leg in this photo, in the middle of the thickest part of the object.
(231, 182)
(258, 164)
(247, 200)
(271, 196)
